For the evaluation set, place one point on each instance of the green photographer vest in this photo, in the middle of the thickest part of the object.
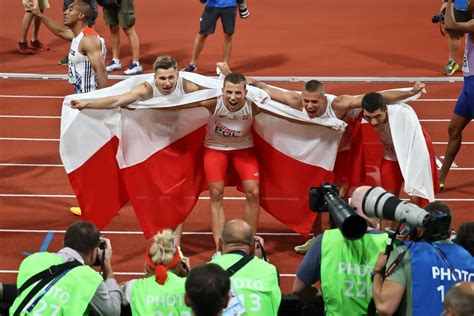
(346, 266)
(256, 283)
(151, 298)
(71, 295)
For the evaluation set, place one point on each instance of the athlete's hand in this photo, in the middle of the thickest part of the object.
(76, 104)
(418, 87)
(223, 67)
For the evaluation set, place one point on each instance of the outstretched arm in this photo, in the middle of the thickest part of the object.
(452, 25)
(140, 92)
(58, 29)
(347, 102)
(91, 46)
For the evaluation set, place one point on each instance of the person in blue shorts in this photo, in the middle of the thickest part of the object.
(464, 109)
(213, 10)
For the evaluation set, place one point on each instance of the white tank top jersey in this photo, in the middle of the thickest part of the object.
(80, 71)
(387, 141)
(345, 142)
(178, 90)
(228, 130)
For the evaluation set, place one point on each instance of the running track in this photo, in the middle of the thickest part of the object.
(327, 38)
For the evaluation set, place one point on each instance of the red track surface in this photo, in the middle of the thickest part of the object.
(301, 38)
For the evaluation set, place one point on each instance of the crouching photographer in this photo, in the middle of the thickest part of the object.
(342, 258)
(418, 273)
(64, 283)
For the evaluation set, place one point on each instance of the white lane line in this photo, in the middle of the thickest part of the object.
(30, 139)
(28, 165)
(453, 168)
(57, 140)
(442, 79)
(118, 232)
(30, 116)
(434, 100)
(232, 198)
(31, 96)
(434, 120)
(58, 117)
(73, 196)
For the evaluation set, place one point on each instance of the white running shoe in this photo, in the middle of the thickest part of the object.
(134, 69)
(113, 65)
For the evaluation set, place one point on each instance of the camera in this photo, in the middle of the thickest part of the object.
(376, 202)
(326, 198)
(100, 256)
(439, 18)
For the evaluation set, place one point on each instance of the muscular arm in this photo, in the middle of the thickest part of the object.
(344, 103)
(140, 92)
(58, 29)
(290, 98)
(189, 86)
(387, 294)
(452, 25)
(90, 45)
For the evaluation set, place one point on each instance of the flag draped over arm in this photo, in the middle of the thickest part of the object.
(151, 155)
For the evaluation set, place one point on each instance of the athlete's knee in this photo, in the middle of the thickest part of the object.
(216, 194)
(252, 194)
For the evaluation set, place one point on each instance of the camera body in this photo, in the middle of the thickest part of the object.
(326, 198)
(439, 18)
(100, 256)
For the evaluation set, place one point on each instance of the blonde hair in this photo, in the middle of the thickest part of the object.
(162, 250)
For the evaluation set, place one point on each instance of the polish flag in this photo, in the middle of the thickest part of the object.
(413, 148)
(152, 156)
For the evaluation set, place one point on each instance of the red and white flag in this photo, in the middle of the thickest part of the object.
(152, 156)
(413, 148)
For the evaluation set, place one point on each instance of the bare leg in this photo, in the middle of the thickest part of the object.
(25, 25)
(36, 27)
(252, 205)
(114, 32)
(453, 44)
(197, 49)
(455, 128)
(227, 46)
(178, 231)
(134, 42)
(216, 192)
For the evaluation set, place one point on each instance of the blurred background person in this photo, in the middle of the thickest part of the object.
(24, 47)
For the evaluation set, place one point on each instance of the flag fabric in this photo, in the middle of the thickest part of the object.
(151, 156)
(413, 148)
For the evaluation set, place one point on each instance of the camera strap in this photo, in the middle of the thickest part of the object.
(443, 257)
(53, 273)
(239, 264)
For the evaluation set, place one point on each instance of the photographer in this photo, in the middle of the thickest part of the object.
(343, 266)
(420, 273)
(161, 291)
(66, 283)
